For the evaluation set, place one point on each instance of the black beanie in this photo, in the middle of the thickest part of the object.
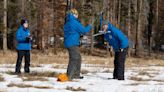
(24, 21)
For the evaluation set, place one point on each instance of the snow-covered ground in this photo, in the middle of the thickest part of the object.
(96, 79)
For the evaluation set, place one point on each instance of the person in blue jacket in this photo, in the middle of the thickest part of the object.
(23, 47)
(73, 29)
(117, 39)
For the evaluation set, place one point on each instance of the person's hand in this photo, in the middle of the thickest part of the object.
(90, 25)
(121, 50)
(28, 39)
(101, 31)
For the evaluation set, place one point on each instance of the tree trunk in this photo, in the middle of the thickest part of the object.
(40, 38)
(5, 27)
(138, 31)
(157, 13)
(119, 13)
(111, 11)
(23, 8)
(92, 31)
(150, 27)
(157, 19)
(107, 3)
(129, 24)
(53, 23)
(114, 11)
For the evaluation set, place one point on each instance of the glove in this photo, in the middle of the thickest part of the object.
(28, 39)
(101, 31)
(121, 50)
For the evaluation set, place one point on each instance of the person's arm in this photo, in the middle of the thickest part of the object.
(81, 29)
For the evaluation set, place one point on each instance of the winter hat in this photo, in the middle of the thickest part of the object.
(24, 21)
(105, 22)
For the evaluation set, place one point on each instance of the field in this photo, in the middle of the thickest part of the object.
(142, 75)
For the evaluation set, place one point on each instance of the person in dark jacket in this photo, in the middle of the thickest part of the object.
(117, 39)
(24, 40)
(73, 29)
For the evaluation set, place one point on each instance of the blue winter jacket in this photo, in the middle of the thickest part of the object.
(116, 38)
(72, 31)
(22, 43)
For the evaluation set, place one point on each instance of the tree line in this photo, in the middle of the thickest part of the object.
(140, 20)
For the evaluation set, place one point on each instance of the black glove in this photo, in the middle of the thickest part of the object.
(28, 39)
(121, 50)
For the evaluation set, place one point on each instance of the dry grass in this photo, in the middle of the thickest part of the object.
(63, 66)
(62, 58)
(84, 71)
(108, 71)
(135, 84)
(1, 78)
(39, 58)
(139, 62)
(41, 74)
(160, 84)
(1, 90)
(10, 73)
(141, 73)
(27, 86)
(137, 79)
(143, 82)
(9, 58)
(19, 85)
(79, 89)
(145, 73)
(33, 76)
(36, 78)
(162, 81)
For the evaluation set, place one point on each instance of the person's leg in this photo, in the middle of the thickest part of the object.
(19, 61)
(69, 68)
(77, 64)
(116, 60)
(27, 61)
(71, 64)
(121, 64)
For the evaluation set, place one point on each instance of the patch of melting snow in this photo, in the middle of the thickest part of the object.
(94, 81)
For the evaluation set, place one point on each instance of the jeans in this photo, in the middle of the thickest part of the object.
(21, 54)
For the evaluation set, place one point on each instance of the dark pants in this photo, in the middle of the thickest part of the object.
(119, 64)
(21, 54)
(74, 66)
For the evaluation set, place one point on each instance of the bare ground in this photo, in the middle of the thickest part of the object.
(62, 58)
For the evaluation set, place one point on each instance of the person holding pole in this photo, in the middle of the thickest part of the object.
(73, 29)
(117, 39)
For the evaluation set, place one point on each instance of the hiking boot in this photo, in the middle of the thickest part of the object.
(17, 72)
(27, 70)
(79, 77)
(121, 79)
(115, 78)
